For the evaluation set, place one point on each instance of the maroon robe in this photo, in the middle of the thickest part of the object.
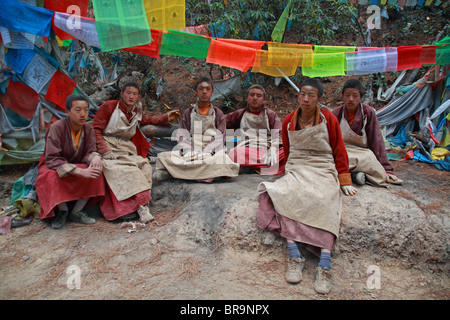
(55, 184)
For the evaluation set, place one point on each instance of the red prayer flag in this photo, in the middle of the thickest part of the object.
(61, 86)
(20, 98)
(409, 57)
(151, 49)
(230, 55)
(245, 43)
(64, 6)
(428, 55)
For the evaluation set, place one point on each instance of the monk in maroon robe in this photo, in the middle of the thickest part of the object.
(70, 170)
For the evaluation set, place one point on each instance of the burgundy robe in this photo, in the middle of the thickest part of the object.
(55, 184)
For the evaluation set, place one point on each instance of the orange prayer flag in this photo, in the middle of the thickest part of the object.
(230, 55)
(254, 44)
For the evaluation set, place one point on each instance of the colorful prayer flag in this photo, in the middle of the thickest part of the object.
(61, 86)
(121, 24)
(184, 44)
(230, 55)
(20, 98)
(166, 14)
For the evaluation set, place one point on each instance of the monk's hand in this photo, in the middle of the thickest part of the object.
(96, 162)
(174, 115)
(349, 190)
(270, 158)
(89, 172)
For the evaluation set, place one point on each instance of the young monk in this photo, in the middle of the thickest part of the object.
(305, 204)
(363, 139)
(256, 123)
(70, 170)
(124, 150)
(200, 153)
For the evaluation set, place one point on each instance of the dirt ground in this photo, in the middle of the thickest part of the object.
(173, 258)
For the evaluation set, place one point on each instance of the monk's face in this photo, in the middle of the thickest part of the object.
(352, 98)
(78, 114)
(255, 99)
(204, 92)
(308, 98)
(130, 96)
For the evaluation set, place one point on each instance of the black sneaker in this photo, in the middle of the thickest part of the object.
(59, 220)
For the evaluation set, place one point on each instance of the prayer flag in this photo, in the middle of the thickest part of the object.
(326, 65)
(261, 65)
(365, 61)
(408, 57)
(87, 32)
(428, 55)
(20, 98)
(254, 44)
(150, 50)
(22, 17)
(61, 86)
(18, 59)
(17, 40)
(121, 24)
(166, 14)
(230, 55)
(278, 31)
(38, 73)
(443, 54)
(74, 8)
(391, 58)
(184, 44)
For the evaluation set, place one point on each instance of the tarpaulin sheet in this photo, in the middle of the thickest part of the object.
(20, 98)
(151, 49)
(66, 6)
(18, 59)
(413, 101)
(87, 33)
(22, 17)
(184, 44)
(61, 86)
(165, 14)
(121, 24)
(409, 57)
(230, 55)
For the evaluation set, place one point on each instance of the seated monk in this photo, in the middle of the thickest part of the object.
(70, 170)
(199, 153)
(258, 149)
(363, 139)
(124, 150)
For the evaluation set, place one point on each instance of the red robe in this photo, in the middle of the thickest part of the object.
(55, 184)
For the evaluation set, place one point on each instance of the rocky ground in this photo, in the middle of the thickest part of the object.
(204, 244)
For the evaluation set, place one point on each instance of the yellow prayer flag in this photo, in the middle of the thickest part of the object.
(261, 65)
(165, 14)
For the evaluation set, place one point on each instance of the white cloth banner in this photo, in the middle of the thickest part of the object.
(38, 73)
(366, 60)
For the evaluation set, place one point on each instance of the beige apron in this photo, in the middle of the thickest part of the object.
(129, 173)
(203, 131)
(255, 131)
(309, 192)
(360, 157)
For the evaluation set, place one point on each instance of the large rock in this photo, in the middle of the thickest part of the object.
(375, 222)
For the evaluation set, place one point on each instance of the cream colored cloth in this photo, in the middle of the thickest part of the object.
(255, 131)
(202, 132)
(360, 157)
(128, 174)
(309, 192)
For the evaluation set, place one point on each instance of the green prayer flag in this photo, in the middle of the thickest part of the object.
(326, 65)
(278, 31)
(121, 24)
(443, 52)
(177, 43)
